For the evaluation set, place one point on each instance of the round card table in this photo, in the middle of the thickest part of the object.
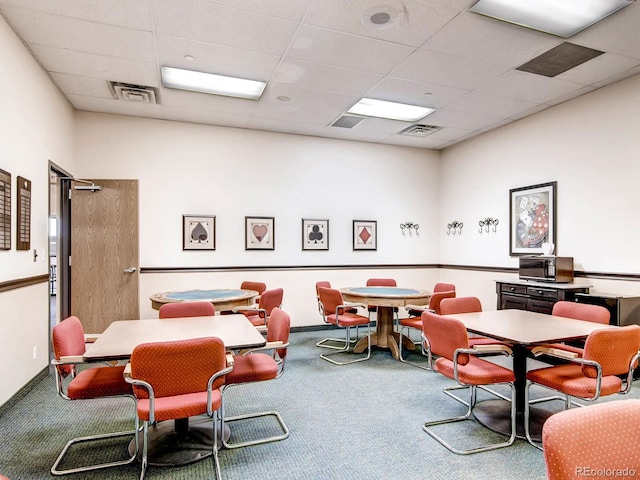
(385, 298)
(222, 299)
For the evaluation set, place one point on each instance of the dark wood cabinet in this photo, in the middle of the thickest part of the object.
(535, 296)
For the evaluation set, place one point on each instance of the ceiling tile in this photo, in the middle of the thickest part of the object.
(502, 107)
(348, 51)
(293, 10)
(415, 93)
(118, 107)
(202, 101)
(464, 120)
(85, 86)
(325, 77)
(414, 24)
(488, 40)
(205, 117)
(222, 25)
(442, 69)
(529, 87)
(58, 60)
(82, 36)
(599, 68)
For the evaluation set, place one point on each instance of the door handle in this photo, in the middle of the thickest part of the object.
(130, 270)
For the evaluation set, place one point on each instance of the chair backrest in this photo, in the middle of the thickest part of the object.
(445, 335)
(323, 284)
(186, 309)
(437, 297)
(581, 311)
(330, 299)
(257, 286)
(453, 305)
(278, 329)
(178, 367)
(381, 282)
(67, 338)
(271, 299)
(578, 441)
(444, 287)
(613, 348)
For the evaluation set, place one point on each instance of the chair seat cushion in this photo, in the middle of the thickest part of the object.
(485, 341)
(476, 372)
(569, 379)
(412, 322)
(179, 406)
(348, 320)
(99, 382)
(255, 367)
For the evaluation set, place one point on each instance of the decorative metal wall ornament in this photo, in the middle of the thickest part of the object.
(411, 227)
(454, 227)
(488, 222)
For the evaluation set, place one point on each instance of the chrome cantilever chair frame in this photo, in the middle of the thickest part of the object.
(74, 361)
(472, 402)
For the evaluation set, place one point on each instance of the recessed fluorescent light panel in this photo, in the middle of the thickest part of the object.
(558, 17)
(394, 111)
(210, 83)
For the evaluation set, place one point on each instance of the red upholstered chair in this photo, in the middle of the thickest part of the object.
(323, 343)
(582, 441)
(334, 311)
(414, 321)
(579, 311)
(254, 366)
(605, 368)
(68, 340)
(381, 282)
(257, 286)
(259, 315)
(447, 338)
(451, 306)
(186, 309)
(175, 380)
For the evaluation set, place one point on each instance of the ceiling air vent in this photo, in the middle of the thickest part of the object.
(347, 121)
(134, 93)
(419, 130)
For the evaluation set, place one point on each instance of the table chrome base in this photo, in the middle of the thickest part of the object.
(171, 444)
(496, 416)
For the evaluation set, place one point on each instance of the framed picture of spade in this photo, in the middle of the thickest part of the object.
(198, 232)
(259, 233)
(315, 234)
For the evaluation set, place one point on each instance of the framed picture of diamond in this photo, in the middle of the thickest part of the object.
(315, 234)
(259, 233)
(198, 232)
(365, 235)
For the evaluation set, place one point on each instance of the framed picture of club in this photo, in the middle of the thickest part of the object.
(198, 232)
(315, 234)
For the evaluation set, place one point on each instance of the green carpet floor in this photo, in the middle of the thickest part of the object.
(362, 421)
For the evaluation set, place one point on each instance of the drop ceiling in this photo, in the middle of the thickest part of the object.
(318, 57)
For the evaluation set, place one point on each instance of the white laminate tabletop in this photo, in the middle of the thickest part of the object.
(121, 337)
(527, 328)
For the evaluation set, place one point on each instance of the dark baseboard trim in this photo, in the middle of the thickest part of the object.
(22, 282)
(312, 328)
(476, 268)
(24, 391)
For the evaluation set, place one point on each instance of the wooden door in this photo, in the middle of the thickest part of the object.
(104, 254)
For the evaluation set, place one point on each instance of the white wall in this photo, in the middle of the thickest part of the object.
(590, 146)
(36, 126)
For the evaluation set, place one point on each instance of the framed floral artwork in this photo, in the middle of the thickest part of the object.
(532, 219)
(315, 234)
(198, 232)
(259, 233)
(365, 235)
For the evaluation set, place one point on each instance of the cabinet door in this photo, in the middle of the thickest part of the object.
(540, 306)
(512, 301)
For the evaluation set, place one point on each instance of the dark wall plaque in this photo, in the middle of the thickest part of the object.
(23, 229)
(5, 210)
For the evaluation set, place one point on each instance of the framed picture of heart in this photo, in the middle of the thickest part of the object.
(198, 232)
(259, 233)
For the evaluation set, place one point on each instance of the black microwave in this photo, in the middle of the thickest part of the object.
(546, 269)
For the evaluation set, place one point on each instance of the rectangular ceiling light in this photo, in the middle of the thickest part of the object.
(394, 111)
(558, 17)
(210, 83)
